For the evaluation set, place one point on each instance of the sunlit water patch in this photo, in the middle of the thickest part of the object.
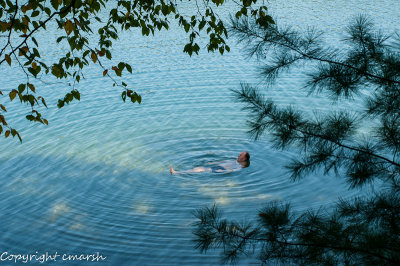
(97, 178)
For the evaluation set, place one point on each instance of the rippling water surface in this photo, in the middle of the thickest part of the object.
(97, 178)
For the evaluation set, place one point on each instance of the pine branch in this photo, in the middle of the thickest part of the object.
(225, 234)
(349, 147)
(282, 40)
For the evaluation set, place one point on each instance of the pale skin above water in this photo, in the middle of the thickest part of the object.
(242, 161)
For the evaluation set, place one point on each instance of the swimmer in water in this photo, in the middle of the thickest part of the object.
(242, 161)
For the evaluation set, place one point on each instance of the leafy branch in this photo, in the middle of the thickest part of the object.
(75, 20)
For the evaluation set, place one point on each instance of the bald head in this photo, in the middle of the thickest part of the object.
(244, 156)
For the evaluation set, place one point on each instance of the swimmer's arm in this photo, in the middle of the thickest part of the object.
(194, 170)
(215, 163)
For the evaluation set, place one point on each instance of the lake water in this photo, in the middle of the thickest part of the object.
(97, 178)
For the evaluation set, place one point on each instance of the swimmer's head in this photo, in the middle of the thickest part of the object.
(244, 158)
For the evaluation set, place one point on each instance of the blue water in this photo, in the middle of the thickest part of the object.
(97, 178)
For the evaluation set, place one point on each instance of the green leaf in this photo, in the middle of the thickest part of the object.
(48, 11)
(35, 13)
(133, 97)
(165, 10)
(19, 136)
(69, 27)
(202, 24)
(76, 95)
(94, 57)
(129, 68)
(54, 4)
(186, 27)
(188, 49)
(13, 93)
(3, 120)
(265, 21)
(8, 59)
(32, 87)
(59, 39)
(108, 55)
(34, 40)
(60, 104)
(68, 97)
(44, 102)
(121, 66)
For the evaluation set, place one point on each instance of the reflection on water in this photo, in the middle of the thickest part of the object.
(97, 178)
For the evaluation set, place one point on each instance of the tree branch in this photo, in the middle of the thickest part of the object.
(9, 34)
(264, 39)
(340, 248)
(347, 147)
(65, 9)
